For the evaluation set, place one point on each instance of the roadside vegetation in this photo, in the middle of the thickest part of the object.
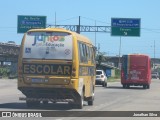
(6, 73)
(117, 76)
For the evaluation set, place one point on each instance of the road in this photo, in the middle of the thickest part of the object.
(112, 98)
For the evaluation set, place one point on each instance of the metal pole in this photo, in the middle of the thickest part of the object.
(119, 53)
(55, 19)
(154, 55)
(98, 47)
(95, 35)
(78, 27)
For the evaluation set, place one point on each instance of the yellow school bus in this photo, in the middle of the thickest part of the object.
(56, 65)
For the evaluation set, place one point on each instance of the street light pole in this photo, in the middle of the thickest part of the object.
(154, 55)
(119, 53)
(95, 36)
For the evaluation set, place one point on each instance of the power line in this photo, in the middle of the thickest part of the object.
(68, 19)
(151, 30)
(91, 19)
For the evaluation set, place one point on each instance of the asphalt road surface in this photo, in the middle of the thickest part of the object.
(113, 98)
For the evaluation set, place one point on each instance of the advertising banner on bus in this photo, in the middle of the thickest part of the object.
(48, 45)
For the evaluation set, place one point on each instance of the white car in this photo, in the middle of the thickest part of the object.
(101, 78)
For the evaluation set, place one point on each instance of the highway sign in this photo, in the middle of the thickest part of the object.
(30, 22)
(125, 26)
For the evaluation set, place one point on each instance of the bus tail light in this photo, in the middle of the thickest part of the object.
(73, 72)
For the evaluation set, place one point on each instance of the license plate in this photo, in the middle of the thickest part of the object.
(38, 80)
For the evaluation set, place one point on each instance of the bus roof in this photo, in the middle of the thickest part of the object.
(79, 36)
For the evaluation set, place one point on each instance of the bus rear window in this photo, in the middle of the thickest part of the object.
(138, 61)
(48, 45)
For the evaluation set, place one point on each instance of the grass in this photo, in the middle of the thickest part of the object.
(114, 79)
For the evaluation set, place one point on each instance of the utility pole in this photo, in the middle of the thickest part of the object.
(119, 53)
(78, 26)
(154, 55)
(98, 47)
(95, 36)
(55, 19)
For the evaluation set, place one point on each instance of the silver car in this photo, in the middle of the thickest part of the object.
(101, 78)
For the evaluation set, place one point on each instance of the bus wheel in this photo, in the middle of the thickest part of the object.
(90, 102)
(124, 86)
(144, 86)
(80, 102)
(128, 86)
(148, 86)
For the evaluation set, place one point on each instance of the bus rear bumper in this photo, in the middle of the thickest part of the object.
(49, 94)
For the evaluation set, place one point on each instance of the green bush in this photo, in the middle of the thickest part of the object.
(4, 71)
(117, 73)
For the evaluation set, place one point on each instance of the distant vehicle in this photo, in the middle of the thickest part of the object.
(155, 75)
(136, 70)
(11, 43)
(101, 78)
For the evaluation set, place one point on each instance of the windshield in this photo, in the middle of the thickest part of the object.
(138, 61)
(48, 45)
(98, 72)
(134, 61)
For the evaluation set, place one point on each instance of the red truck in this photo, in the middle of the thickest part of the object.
(136, 71)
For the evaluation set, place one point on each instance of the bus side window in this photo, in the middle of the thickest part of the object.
(88, 53)
(92, 55)
(82, 52)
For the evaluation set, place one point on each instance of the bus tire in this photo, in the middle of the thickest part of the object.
(144, 86)
(148, 86)
(128, 86)
(124, 86)
(80, 102)
(90, 102)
